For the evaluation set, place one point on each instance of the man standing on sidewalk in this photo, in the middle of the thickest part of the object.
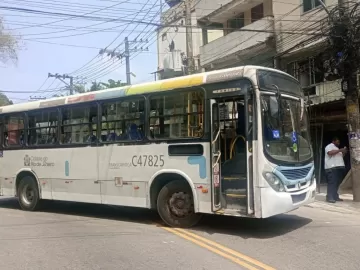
(334, 169)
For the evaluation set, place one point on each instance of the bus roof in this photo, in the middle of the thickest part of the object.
(149, 87)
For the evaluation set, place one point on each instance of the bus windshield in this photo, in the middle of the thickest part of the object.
(285, 123)
(285, 130)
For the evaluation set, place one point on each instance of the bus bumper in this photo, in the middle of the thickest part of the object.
(275, 203)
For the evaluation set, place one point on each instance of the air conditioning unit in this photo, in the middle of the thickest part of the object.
(173, 61)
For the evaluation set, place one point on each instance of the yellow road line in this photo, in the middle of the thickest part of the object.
(228, 250)
(223, 254)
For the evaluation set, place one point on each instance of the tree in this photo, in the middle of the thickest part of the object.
(4, 100)
(113, 84)
(96, 86)
(79, 88)
(9, 45)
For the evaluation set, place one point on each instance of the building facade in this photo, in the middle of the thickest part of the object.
(171, 40)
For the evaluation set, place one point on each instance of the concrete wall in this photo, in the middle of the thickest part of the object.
(205, 7)
(201, 8)
(179, 37)
(175, 16)
(290, 17)
(236, 41)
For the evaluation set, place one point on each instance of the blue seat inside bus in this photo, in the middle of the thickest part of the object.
(132, 133)
(235, 167)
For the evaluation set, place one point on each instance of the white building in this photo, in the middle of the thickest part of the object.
(172, 40)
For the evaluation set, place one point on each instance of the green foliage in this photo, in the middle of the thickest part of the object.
(79, 88)
(95, 86)
(4, 100)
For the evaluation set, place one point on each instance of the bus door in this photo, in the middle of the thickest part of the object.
(215, 156)
(250, 115)
(231, 149)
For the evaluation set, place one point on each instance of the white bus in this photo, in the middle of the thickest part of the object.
(228, 142)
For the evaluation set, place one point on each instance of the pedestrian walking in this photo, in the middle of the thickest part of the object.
(334, 169)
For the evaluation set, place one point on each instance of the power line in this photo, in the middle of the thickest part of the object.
(152, 23)
(81, 68)
(96, 71)
(69, 16)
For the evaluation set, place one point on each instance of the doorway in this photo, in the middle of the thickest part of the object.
(230, 155)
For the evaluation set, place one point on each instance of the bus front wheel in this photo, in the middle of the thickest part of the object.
(28, 194)
(175, 205)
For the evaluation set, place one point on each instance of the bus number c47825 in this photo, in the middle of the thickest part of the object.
(148, 161)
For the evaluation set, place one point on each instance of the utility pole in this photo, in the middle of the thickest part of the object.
(347, 55)
(62, 78)
(189, 41)
(350, 88)
(127, 60)
(127, 53)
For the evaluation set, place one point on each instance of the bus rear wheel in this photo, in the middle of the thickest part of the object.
(28, 194)
(175, 205)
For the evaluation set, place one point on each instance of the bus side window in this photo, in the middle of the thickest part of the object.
(14, 131)
(43, 127)
(177, 115)
(123, 120)
(79, 125)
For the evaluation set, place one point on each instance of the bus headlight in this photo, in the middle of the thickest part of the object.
(274, 181)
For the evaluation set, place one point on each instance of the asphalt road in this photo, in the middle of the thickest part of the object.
(83, 236)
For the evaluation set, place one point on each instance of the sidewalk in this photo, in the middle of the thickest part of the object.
(348, 206)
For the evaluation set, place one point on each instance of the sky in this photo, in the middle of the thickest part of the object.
(63, 36)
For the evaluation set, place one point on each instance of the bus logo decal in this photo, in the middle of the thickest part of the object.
(201, 161)
(36, 161)
(26, 161)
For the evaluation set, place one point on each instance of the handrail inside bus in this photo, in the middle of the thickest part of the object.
(216, 137)
(233, 144)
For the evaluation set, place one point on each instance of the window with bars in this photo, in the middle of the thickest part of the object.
(43, 127)
(306, 71)
(235, 23)
(79, 125)
(177, 115)
(123, 120)
(13, 130)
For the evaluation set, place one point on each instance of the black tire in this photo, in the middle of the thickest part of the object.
(187, 218)
(28, 194)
